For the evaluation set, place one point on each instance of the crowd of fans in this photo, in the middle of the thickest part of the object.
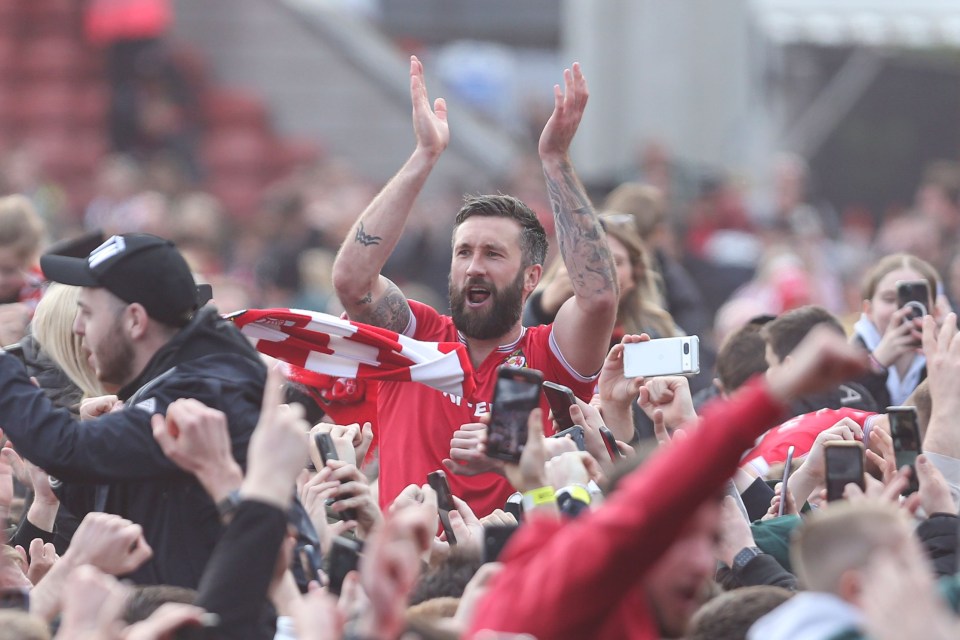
(161, 478)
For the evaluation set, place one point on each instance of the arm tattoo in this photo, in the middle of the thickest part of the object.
(391, 311)
(582, 244)
(365, 238)
(367, 299)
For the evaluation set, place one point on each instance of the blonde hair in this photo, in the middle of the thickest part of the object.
(642, 201)
(21, 228)
(53, 328)
(641, 308)
(843, 538)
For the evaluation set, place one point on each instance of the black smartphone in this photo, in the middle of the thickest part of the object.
(328, 451)
(516, 394)
(308, 561)
(576, 434)
(15, 598)
(560, 399)
(344, 557)
(495, 538)
(914, 294)
(438, 482)
(326, 447)
(844, 461)
(208, 629)
(905, 433)
(611, 442)
(786, 478)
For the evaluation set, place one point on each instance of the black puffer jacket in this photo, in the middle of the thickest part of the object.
(208, 360)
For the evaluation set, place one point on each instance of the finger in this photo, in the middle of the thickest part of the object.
(272, 393)
(440, 108)
(852, 490)
(660, 427)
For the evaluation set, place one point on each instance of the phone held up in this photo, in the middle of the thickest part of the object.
(662, 357)
(905, 433)
(439, 483)
(344, 557)
(516, 394)
(328, 451)
(915, 295)
(560, 399)
(844, 461)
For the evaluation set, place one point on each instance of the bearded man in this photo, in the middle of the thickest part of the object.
(498, 252)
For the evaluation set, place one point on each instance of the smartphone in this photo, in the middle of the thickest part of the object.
(438, 482)
(576, 434)
(308, 558)
(662, 357)
(495, 538)
(914, 294)
(328, 451)
(786, 477)
(344, 557)
(905, 433)
(560, 399)
(516, 394)
(844, 460)
(15, 598)
(611, 442)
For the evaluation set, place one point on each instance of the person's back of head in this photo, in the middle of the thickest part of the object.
(790, 328)
(449, 578)
(832, 547)
(52, 327)
(145, 600)
(730, 615)
(20, 625)
(642, 201)
(21, 233)
(742, 355)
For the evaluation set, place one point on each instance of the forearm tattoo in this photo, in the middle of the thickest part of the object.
(365, 238)
(391, 311)
(580, 237)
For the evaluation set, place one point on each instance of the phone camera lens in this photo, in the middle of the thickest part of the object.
(686, 349)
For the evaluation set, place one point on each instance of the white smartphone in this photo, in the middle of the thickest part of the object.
(662, 357)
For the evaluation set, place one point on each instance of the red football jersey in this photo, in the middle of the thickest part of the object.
(416, 423)
(800, 432)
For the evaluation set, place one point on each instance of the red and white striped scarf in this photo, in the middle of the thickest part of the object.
(314, 343)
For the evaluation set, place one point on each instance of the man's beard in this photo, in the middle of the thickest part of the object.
(494, 321)
(115, 359)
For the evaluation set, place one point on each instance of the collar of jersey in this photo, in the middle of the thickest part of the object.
(504, 347)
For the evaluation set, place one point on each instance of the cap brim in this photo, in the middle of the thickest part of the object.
(67, 270)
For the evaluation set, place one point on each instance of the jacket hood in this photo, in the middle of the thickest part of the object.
(807, 616)
(207, 334)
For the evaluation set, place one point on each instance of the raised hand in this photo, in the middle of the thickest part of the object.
(821, 361)
(900, 338)
(568, 106)
(468, 451)
(108, 542)
(671, 395)
(429, 125)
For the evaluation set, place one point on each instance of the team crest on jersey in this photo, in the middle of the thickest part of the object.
(516, 359)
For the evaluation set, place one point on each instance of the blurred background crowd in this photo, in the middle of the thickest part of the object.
(783, 145)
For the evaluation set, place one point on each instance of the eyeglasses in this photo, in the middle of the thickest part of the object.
(617, 219)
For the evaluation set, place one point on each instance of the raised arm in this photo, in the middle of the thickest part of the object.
(584, 323)
(366, 295)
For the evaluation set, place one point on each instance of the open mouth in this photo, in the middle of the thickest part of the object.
(477, 295)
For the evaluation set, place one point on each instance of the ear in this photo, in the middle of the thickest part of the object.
(849, 588)
(531, 278)
(136, 321)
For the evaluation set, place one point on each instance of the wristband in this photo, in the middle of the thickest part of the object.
(538, 497)
(574, 492)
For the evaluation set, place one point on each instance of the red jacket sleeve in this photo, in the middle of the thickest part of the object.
(607, 552)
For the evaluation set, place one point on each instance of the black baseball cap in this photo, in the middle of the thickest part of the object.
(135, 267)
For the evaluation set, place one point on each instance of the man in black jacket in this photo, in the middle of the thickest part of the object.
(140, 319)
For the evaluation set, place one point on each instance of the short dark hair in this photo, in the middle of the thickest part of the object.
(449, 578)
(148, 598)
(731, 614)
(790, 328)
(741, 356)
(533, 238)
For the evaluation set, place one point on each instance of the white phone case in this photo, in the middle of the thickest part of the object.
(662, 357)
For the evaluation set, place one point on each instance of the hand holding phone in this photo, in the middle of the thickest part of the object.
(788, 463)
(328, 451)
(495, 538)
(576, 434)
(516, 394)
(844, 462)
(439, 483)
(611, 442)
(905, 433)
